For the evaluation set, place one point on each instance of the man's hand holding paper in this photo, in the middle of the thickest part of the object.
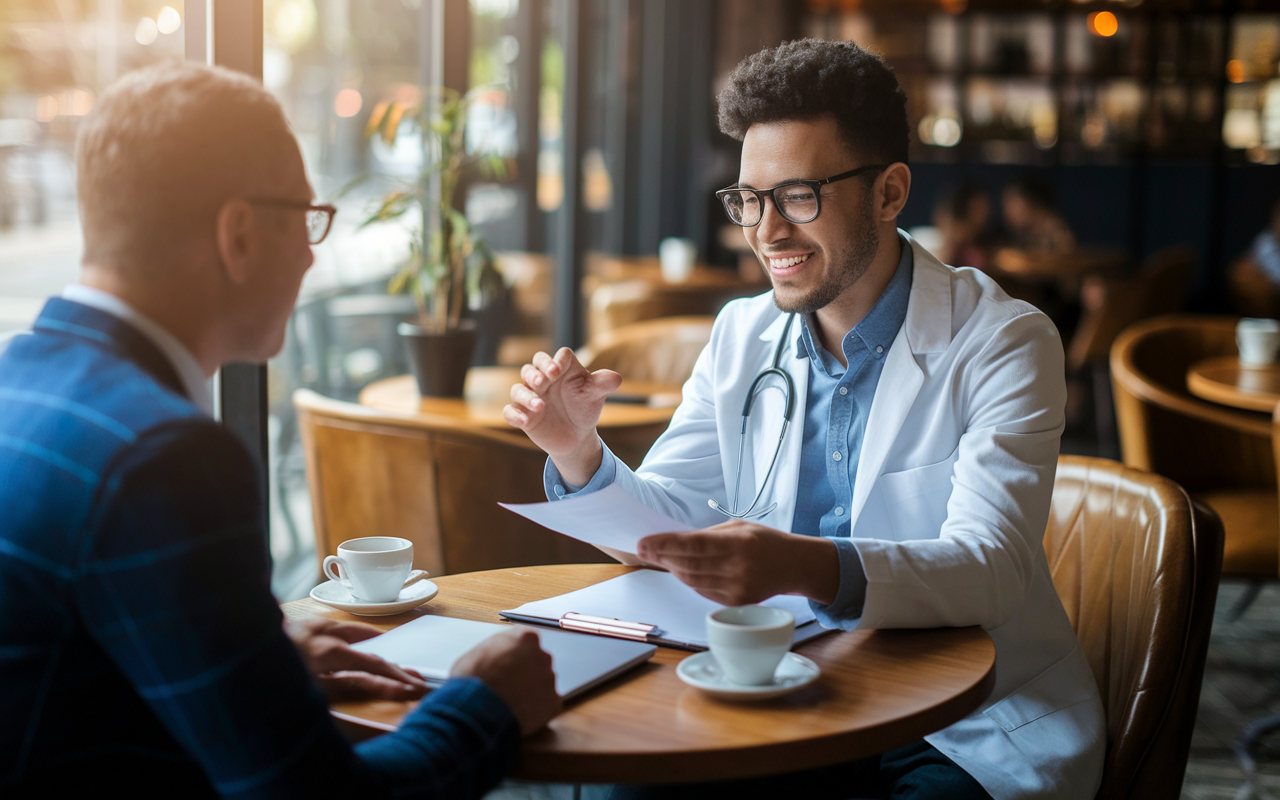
(739, 562)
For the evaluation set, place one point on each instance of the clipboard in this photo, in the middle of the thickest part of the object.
(647, 606)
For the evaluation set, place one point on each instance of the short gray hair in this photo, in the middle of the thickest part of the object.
(163, 149)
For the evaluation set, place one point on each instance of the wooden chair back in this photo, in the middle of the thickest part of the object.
(435, 483)
(1136, 564)
(1252, 292)
(529, 276)
(638, 293)
(1164, 428)
(661, 350)
(1114, 304)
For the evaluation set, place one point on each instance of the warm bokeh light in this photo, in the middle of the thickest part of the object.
(347, 103)
(1103, 23)
(953, 6)
(146, 32)
(946, 132)
(169, 20)
(47, 108)
(81, 103)
(289, 24)
(1235, 71)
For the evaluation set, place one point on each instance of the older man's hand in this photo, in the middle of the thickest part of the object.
(514, 665)
(343, 673)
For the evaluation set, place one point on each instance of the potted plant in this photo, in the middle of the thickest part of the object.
(450, 272)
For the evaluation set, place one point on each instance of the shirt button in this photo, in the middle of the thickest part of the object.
(879, 349)
(839, 511)
(559, 490)
(836, 455)
(844, 390)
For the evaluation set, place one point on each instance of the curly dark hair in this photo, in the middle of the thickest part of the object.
(809, 78)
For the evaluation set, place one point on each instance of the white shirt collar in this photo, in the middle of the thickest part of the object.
(180, 357)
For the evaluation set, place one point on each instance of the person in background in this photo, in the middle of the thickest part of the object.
(1255, 277)
(141, 650)
(1031, 219)
(962, 216)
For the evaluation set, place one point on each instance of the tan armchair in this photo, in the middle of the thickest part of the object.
(436, 483)
(659, 350)
(1136, 563)
(1222, 456)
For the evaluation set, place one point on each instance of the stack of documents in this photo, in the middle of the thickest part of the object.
(609, 518)
(655, 598)
(612, 518)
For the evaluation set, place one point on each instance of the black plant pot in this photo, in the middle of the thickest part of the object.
(440, 360)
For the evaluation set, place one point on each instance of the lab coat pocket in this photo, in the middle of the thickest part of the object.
(1066, 683)
(916, 499)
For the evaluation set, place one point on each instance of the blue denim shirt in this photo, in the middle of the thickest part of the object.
(837, 404)
(835, 421)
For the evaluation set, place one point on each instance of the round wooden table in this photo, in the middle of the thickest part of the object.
(879, 690)
(488, 389)
(1225, 380)
(1034, 266)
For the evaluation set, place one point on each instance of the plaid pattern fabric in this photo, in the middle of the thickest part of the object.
(140, 645)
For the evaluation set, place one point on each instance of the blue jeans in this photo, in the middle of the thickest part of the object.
(915, 772)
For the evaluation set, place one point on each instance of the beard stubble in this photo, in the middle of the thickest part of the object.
(849, 263)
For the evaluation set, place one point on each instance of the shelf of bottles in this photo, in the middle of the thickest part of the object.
(1039, 82)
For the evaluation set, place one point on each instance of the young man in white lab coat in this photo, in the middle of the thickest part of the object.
(912, 486)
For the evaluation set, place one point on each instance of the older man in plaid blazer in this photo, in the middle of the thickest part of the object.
(140, 647)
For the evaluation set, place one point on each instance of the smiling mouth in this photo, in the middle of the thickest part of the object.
(784, 263)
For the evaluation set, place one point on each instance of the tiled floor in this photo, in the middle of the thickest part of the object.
(1242, 683)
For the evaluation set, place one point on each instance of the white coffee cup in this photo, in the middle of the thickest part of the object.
(749, 641)
(373, 568)
(1258, 340)
(677, 257)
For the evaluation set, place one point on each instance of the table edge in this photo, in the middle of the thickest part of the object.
(764, 759)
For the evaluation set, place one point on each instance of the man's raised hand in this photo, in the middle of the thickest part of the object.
(558, 403)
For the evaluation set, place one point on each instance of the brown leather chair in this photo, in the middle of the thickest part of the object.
(1136, 563)
(1222, 456)
(529, 277)
(1111, 304)
(1114, 303)
(622, 291)
(375, 473)
(660, 350)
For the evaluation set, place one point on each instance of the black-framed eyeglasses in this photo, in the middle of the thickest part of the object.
(319, 217)
(797, 201)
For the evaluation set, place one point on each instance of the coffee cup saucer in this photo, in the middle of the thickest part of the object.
(701, 671)
(335, 595)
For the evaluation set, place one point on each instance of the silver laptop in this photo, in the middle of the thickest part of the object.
(432, 644)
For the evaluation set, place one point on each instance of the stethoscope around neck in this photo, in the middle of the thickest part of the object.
(774, 371)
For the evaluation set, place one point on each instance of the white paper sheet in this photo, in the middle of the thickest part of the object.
(609, 517)
(655, 598)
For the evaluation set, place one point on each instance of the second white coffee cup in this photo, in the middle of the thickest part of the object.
(1258, 340)
(749, 641)
(374, 568)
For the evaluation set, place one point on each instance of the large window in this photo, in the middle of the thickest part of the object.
(55, 58)
(337, 65)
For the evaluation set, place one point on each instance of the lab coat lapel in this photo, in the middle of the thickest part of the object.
(926, 329)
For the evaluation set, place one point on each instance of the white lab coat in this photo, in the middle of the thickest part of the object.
(949, 505)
